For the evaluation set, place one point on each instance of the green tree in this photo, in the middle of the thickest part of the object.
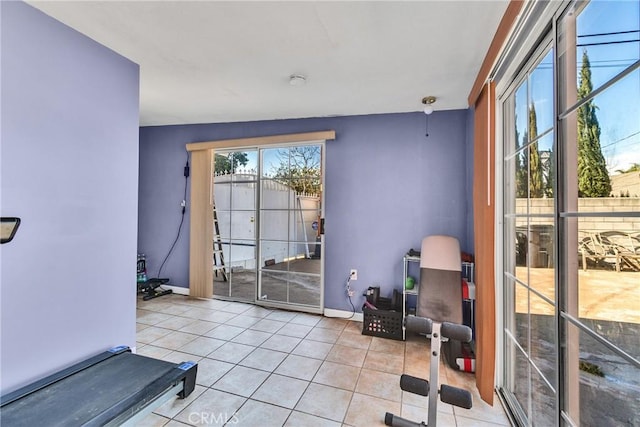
(536, 189)
(549, 173)
(299, 169)
(521, 175)
(230, 162)
(593, 177)
(521, 164)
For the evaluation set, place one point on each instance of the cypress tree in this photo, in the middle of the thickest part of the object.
(521, 175)
(521, 167)
(550, 175)
(536, 189)
(593, 178)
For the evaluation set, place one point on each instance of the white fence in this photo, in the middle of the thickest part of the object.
(286, 220)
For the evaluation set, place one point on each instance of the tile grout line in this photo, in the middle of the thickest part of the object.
(346, 327)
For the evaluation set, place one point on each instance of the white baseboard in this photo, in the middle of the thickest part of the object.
(177, 289)
(330, 312)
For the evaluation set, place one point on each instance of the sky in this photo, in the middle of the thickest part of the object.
(619, 106)
(272, 159)
(609, 31)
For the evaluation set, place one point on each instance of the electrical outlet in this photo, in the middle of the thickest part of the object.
(351, 292)
(354, 274)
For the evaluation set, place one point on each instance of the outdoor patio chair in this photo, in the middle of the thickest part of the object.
(626, 246)
(599, 251)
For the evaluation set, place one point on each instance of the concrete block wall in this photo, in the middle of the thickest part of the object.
(627, 224)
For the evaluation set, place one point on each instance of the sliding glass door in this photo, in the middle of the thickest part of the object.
(235, 224)
(529, 240)
(599, 212)
(268, 209)
(291, 203)
(571, 221)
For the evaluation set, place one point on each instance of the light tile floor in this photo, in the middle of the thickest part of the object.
(263, 367)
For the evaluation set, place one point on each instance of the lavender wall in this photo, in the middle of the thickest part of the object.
(70, 171)
(387, 187)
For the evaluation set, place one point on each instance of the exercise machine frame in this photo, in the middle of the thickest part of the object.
(148, 288)
(448, 394)
(90, 393)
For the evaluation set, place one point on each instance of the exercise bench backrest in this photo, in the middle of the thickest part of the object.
(440, 291)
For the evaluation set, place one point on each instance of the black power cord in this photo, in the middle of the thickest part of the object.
(184, 208)
(349, 292)
(353, 313)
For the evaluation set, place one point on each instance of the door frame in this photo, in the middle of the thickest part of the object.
(201, 201)
(275, 303)
(228, 278)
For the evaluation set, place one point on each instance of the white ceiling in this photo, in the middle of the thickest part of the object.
(210, 61)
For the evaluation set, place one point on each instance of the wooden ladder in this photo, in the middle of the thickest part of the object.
(218, 255)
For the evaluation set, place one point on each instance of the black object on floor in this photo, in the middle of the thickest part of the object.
(149, 288)
(382, 317)
(108, 389)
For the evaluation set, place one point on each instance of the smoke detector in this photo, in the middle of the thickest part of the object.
(297, 80)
